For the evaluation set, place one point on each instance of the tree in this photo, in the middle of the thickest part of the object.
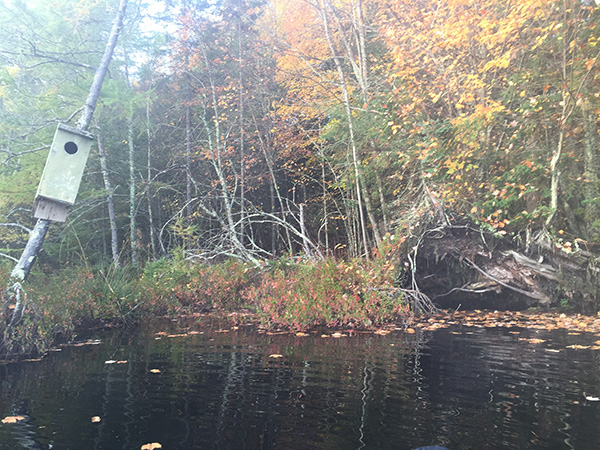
(37, 235)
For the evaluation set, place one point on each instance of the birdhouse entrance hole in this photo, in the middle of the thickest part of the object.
(71, 148)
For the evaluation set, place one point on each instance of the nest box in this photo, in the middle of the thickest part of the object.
(62, 174)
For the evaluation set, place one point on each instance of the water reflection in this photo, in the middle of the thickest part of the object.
(459, 388)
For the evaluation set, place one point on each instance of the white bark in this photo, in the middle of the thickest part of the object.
(114, 239)
(36, 238)
(132, 221)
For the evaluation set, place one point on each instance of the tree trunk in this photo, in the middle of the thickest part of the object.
(188, 160)
(591, 189)
(242, 134)
(132, 221)
(149, 183)
(114, 240)
(355, 157)
(36, 238)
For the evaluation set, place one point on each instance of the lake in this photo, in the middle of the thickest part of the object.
(202, 384)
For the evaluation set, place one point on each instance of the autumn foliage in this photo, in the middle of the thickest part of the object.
(268, 130)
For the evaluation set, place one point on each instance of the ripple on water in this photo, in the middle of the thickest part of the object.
(456, 387)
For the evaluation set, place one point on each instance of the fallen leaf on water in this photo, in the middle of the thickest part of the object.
(195, 332)
(325, 336)
(301, 334)
(154, 370)
(578, 347)
(151, 446)
(96, 419)
(410, 331)
(382, 332)
(275, 355)
(552, 350)
(337, 334)
(177, 335)
(591, 398)
(13, 419)
(122, 362)
(110, 361)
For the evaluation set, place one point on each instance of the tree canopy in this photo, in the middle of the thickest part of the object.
(259, 128)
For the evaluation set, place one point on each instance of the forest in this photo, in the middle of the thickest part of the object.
(320, 143)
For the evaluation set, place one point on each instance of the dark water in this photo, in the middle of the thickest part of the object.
(462, 388)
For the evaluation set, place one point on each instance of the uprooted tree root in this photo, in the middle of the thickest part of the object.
(451, 260)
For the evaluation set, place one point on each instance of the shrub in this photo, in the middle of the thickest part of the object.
(327, 293)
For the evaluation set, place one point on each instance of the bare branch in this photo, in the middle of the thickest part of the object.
(17, 225)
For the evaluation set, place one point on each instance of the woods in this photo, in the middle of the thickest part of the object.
(259, 130)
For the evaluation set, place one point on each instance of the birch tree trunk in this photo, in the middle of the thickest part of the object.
(149, 182)
(132, 221)
(36, 238)
(355, 157)
(114, 239)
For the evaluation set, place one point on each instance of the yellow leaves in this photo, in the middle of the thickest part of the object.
(499, 63)
(155, 371)
(96, 419)
(151, 446)
(533, 340)
(276, 356)
(13, 419)
(589, 64)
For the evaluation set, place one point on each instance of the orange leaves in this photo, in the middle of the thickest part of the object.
(151, 446)
(13, 419)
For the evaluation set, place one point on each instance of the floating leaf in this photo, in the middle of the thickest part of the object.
(382, 332)
(96, 419)
(301, 334)
(13, 419)
(154, 370)
(151, 446)
(110, 361)
(533, 340)
(275, 355)
(591, 398)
